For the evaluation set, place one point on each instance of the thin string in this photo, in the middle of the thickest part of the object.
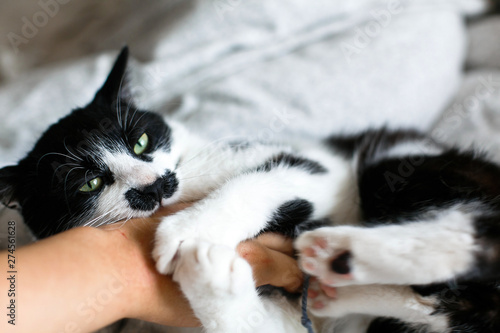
(306, 322)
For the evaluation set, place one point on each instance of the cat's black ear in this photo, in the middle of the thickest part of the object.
(8, 183)
(115, 88)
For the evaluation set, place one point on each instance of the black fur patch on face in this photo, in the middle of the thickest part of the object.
(289, 160)
(47, 181)
(68, 155)
(149, 197)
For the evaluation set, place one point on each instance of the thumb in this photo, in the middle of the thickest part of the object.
(271, 266)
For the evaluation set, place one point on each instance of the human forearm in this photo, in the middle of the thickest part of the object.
(58, 282)
(84, 279)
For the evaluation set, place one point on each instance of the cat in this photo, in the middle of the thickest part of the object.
(407, 230)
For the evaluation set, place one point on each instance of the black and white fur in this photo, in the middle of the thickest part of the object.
(414, 241)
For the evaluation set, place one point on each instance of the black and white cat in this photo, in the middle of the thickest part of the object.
(414, 241)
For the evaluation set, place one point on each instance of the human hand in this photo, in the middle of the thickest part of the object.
(271, 258)
(153, 297)
(158, 299)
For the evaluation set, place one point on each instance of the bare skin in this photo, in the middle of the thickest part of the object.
(86, 278)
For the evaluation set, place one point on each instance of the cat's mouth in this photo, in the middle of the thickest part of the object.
(149, 198)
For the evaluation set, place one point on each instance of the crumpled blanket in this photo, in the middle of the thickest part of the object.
(265, 70)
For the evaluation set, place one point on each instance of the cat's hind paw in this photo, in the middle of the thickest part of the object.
(332, 302)
(326, 254)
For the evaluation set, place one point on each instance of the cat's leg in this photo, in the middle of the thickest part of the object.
(421, 252)
(399, 302)
(220, 288)
(247, 205)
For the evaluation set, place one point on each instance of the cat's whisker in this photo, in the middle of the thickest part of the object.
(86, 172)
(197, 176)
(92, 222)
(186, 163)
(65, 186)
(117, 219)
(137, 121)
(119, 223)
(125, 121)
(53, 153)
(189, 198)
(77, 158)
(110, 220)
(85, 152)
(75, 166)
(214, 152)
(133, 116)
(119, 102)
(68, 164)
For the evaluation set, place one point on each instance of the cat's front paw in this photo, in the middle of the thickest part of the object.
(217, 282)
(339, 302)
(327, 254)
(171, 232)
(193, 222)
(213, 269)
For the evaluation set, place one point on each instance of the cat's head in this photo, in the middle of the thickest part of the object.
(102, 163)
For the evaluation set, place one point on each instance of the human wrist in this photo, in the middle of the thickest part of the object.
(130, 267)
(149, 295)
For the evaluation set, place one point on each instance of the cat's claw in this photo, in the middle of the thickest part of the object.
(165, 256)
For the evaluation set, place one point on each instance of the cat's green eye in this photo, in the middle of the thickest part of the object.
(141, 145)
(92, 185)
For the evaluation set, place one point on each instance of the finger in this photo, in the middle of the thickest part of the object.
(277, 242)
(286, 272)
(271, 267)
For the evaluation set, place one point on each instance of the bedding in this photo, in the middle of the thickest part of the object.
(265, 70)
